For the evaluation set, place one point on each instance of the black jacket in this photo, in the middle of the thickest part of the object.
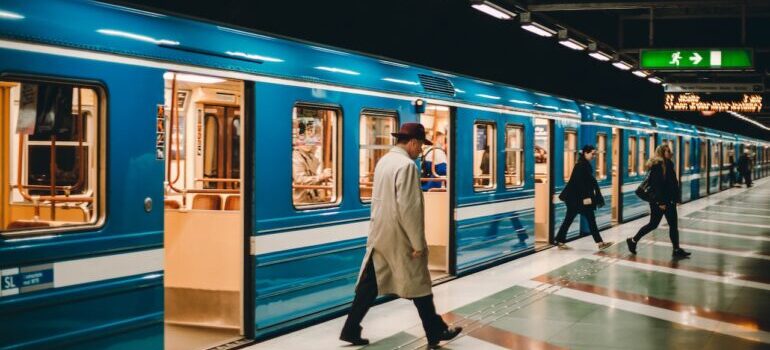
(744, 163)
(582, 184)
(665, 187)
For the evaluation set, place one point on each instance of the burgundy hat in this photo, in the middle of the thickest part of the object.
(412, 131)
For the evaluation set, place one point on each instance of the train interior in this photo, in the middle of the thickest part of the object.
(199, 136)
(49, 139)
(543, 136)
(435, 179)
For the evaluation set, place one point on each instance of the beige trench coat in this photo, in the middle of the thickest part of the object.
(397, 228)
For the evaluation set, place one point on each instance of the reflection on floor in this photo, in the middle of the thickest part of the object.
(719, 298)
(180, 337)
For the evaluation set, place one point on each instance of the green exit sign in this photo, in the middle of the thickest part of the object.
(697, 59)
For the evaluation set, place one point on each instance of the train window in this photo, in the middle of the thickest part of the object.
(570, 152)
(601, 156)
(483, 156)
(375, 141)
(686, 155)
(715, 158)
(210, 146)
(514, 156)
(315, 159)
(641, 157)
(703, 155)
(54, 132)
(728, 152)
(632, 156)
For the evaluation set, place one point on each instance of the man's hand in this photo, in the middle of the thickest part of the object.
(417, 253)
(662, 206)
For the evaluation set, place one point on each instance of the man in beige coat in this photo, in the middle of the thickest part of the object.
(396, 260)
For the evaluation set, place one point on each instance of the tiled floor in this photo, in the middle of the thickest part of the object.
(580, 299)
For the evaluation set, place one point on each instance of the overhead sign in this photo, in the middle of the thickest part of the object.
(694, 102)
(714, 87)
(696, 59)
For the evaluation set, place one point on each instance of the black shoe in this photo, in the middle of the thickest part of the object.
(353, 337)
(680, 253)
(631, 245)
(447, 334)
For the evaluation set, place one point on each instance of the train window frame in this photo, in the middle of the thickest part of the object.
(522, 159)
(378, 113)
(686, 155)
(601, 153)
(567, 170)
(632, 156)
(641, 155)
(492, 157)
(99, 144)
(337, 154)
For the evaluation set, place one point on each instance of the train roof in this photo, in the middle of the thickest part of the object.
(121, 30)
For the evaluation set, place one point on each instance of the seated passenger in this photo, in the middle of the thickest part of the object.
(434, 162)
(305, 171)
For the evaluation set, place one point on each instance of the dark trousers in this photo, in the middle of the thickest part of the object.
(366, 293)
(747, 178)
(656, 214)
(572, 212)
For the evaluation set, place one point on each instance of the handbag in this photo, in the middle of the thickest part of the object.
(645, 191)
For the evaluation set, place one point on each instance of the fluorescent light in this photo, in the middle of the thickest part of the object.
(488, 96)
(253, 57)
(399, 81)
(622, 65)
(538, 29)
(338, 70)
(10, 15)
(573, 44)
(493, 10)
(740, 116)
(134, 36)
(601, 56)
(655, 80)
(640, 73)
(192, 78)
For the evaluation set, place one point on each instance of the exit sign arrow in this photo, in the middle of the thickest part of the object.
(696, 59)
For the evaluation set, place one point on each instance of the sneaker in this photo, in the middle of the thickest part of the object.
(605, 245)
(447, 334)
(680, 253)
(631, 245)
(563, 246)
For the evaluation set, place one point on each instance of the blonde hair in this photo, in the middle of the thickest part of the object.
(660, 155)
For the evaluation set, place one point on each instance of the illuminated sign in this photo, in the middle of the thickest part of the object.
(692, 102)
(696, 59)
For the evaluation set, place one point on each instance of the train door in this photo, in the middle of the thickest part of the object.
(615, 203)
(703, 152)
(543, 154)
(200, 128)
(436, 165)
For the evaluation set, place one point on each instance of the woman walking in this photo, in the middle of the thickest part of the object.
(582, 195)
(665, 194)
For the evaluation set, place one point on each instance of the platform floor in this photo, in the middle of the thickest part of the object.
(581, 299)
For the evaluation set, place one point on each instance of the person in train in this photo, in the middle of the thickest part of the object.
(582, 196)
(305, 168)
(744, 167)
(665, 195)
(434, 163)
(396, 260)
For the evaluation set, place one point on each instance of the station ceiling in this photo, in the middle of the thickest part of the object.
(451, 35)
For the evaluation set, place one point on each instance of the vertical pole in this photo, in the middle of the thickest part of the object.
(652, 28)
(53, 174)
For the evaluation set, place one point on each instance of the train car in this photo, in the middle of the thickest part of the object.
(172, 183)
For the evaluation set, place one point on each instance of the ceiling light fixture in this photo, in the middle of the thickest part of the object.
(622, 65)
(573, 44)
(655, 80)
(493, 10)
(534, 27)
(640, 73)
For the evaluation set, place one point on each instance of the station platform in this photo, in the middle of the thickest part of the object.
(719, 298)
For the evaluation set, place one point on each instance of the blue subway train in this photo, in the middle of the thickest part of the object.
(172, 183)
